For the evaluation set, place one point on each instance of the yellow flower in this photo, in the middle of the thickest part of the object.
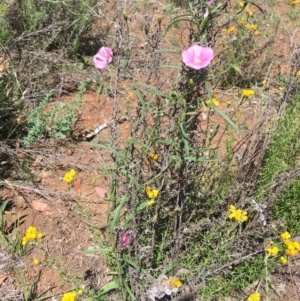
(174, 282)
(70, 296)
(254, 297)
(256, 33)
(294, 2)
(249, 10)
(273, 251)
(229, 29)
(237, 214)
(251, 27)
(69, 176)
(241, 21)
(150, 203)
(228, 103)
(31, 229)
(248, 92)
(241, 4)
(213, 101)
(281, 88)
(285, 235)
(31, 236)
(154, 156)
(80, 291)
(291, 251)
(283, 260)
(40, 235)
(292, 247)
(36, 261)
(298, 73)
(151, 193)
(24, 241)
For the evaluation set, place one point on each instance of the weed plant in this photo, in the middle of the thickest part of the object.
(171, 190)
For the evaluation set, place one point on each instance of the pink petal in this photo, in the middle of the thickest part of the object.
(196, 52)
(107, 53)
(101, 192)
(99, 63)
(103, 57)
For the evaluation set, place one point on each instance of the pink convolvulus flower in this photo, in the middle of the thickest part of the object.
(210, 3)
(197, 57)
(103, 57)
(125, 238)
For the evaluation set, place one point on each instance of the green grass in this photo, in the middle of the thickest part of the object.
(284, 150)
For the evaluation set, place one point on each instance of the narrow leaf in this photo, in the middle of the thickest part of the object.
(109, 287)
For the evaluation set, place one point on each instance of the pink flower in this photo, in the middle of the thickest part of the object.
(125, 238)
(103, 57)
(210, 3)
(197, 57)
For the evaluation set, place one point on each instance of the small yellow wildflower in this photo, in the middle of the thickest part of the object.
(154, 156)
(31, 234)
(283, 260)
(251, 27)
(292, 247)
(291, 251)
(69, 176)
(40, 235)
(241, 4)
(237, 214)
(273, 251)
(298, 73)
(213, 102)
(256, 33)
(174, 282)
(254, 297)
(151, 193)
(294, 2)
(70, 296)
(231, 29)
(228, 103)
(280, 89)
(150, 202)
(285, 235)
(36, 261)
(242, 21)
(249, 11)
(79, 292)
(248, 92)
(24, 241)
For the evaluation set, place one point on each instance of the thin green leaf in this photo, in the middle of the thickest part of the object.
(117, 213)
(129, 291)
(142, 206)
(236, 68)
(98, 250)
(185, 138)
(139, 96)
(227, 119)
(98, 145)
(194, 159)
(109, 287)
(130, 262)
(171, 66)
(176, 20)
(151, 89)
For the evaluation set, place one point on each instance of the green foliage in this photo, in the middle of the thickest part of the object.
(55, 122)
(50, 24)
(284, 149)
